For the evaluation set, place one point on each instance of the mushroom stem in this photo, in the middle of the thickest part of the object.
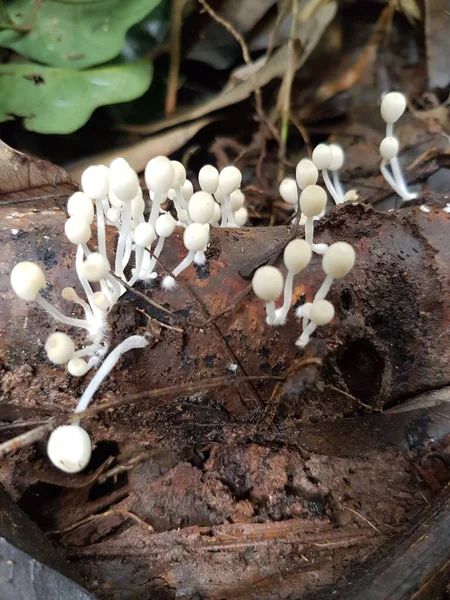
(324, 288)
(271, 314)
(227, 213)
(404, 193)
(101, 236)
(123, 236)
(305, 336)
(154, 213)
(200, 258)
(92, 349)
(338, 185)
(134, 341)
(391, 180)
(82, 250)
(59, 316)
(156, 253)
(330, 187)
(185, 263)
(282, 312)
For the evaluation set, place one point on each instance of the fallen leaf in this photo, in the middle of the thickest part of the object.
(309, 34)
(62, 100)
(139, 154)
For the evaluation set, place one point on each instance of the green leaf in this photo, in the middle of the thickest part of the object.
(62, 100)
(73, 33)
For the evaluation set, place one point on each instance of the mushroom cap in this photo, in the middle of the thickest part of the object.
(144, 235)
(297, 255)
(101, 301)
(201, 207)
(69, 448)
(337, 157)
(321, 312)
(196, 237)
(94, 182)
(179, 174)
(237, 200)
(313, 200)
(123, 181)
(187, 189)
(322, 157)
(389, 148)
(241, 216)
(267, 283)
(392, 107)
(77, 230)
(338, 260)
(208, 178)
(81, 206)
(77, 367)
(138, 205)
(27, 279)
(230, 179)
(95, 267)
(59, 348)
(306, 173)
(159, 174)
(217, 214)
(288, 191)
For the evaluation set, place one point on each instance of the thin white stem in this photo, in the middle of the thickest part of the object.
(330, 186)
(92, 349)
(200, 258)
(82, 249)
(309, 230)
(154, 213)
(123, 236)
(137, 269)
(181, 200)
(135, 341)
(156, 253)
(59, 316)
(185, 263)
(270, 312)
(101, 234)
(287, 297)
(322, 292)
(306, 335)
(338, 185)
(397, 171)
(391, 181)
(229, 217)
(127, 253)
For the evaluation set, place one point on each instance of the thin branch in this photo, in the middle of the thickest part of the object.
(176, 13)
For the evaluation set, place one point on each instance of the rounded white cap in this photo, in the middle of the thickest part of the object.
(27, 279)
(101, 301)
(69, 448)
(159, 175)
(389, 148)
(313, 200)
(196, 237)
(321, 157)
(338, 260)
(208, 178)
(241, 216)
(114, 201)
(94, 183)
(219, 196)
(201, 207)
(297, 255)
(237, 199)
(217, 214)
(179, 174)
(393, 106)
(113, 215)
(144, 235)
(183, 216)
(321, 312)
(77, 230)
(59, 348)
(81, 206)
(337, 157)
(123, 181)
(306, 173)
(95, 267)
(69, 294)
(288, 191)
(119, 163)
(187, 189)
(138, 206)
(77, 367)
(268, 283)
(351, 196)
(165, 225)
(230, 179)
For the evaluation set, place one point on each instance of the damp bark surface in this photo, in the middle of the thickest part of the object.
(263, 490)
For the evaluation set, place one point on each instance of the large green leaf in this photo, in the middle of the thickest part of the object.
(62, 100)
(73, 33)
